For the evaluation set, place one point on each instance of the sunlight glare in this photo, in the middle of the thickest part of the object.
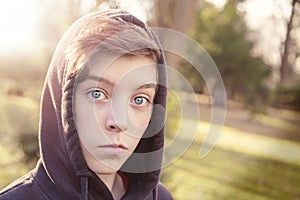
(139, 8)
(218, 3)
(16, 22)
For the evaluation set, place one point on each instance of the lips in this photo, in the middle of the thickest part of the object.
(113, 148)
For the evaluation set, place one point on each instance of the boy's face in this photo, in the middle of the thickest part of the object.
(113, 108)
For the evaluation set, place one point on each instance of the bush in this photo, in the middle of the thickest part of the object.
(19, 123)
(287, 97)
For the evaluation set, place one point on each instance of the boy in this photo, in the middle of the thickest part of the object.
(103, 94)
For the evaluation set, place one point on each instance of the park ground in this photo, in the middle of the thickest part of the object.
(257, 157)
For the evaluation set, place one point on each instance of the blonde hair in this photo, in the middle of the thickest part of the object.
(108, 33)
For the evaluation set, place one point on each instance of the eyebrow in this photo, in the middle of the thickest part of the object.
(100, 79)
(111, 84)
(147, 85)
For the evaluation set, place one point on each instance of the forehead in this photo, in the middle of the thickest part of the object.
(124, 69)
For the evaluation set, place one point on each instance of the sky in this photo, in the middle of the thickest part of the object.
(139, 8)
(16, 15)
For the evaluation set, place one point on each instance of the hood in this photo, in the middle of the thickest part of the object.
(61, 155)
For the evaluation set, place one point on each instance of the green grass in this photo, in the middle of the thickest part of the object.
(225, 174)
(247, 163)
(279, 123)
(255, 144)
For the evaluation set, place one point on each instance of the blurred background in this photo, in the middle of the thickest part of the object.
(256, 47)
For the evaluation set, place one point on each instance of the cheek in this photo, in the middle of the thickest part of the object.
(140, 118)
(87, 123)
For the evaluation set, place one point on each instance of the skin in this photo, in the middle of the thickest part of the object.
(113, 108)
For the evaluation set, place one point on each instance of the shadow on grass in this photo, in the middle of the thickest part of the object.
(225, 174)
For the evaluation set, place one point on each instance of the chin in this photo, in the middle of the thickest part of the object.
(100, 167)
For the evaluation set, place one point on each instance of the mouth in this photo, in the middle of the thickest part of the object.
(113, 148)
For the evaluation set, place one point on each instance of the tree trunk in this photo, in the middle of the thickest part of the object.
(284, 71)
(178, 15)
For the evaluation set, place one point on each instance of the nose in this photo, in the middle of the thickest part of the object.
(115, 126)
(117, 119)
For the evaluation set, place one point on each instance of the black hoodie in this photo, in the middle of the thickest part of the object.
(62, 172)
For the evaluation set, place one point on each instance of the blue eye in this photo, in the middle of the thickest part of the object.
(141, 101)
(96, 94)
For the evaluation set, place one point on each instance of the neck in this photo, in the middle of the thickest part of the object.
(114, 183)
(108, 180)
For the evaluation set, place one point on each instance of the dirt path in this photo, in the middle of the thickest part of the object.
(276, 123)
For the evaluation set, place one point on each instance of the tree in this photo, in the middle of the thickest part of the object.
(223, 34)
(177, 15)
(284, 70)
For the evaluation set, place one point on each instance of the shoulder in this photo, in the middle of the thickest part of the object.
(21, 188)
(163, 193)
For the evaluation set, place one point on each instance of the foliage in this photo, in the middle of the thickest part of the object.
(223, 35)
(287, 97)
(192, 75)
(173, 115)
(10, 165)
(19, 123)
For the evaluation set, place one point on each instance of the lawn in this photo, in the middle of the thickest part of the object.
(254, 159)
(225, 174)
